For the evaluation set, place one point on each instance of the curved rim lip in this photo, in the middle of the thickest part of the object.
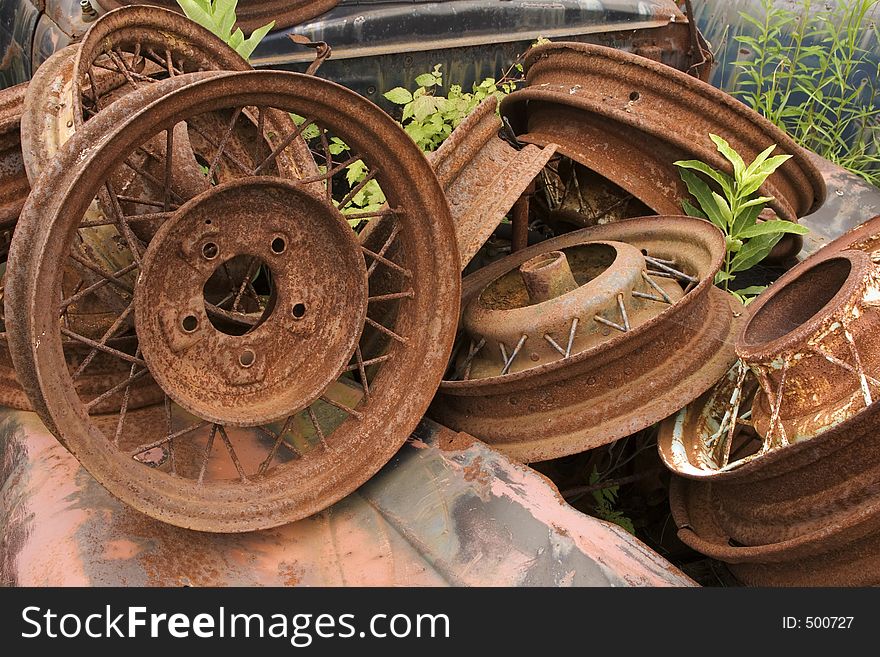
(700, 289)
(514, 108)
(251, 17)
(859, 263)
(754, 466)
(566, 443)
(231, 511)
(158, 18)
(565, 298)
(869, 229)
(696, 86)
(812, 542)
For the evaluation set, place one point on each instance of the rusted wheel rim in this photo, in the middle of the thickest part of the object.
(290, 469)
(618, 386)
(585, 97)
(254, 13)
(812, 331)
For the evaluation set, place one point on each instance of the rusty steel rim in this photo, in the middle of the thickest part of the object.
(804, 488)
(252, 13)
(815, 375)
(629, 118)
(227, 477)
(644, 368)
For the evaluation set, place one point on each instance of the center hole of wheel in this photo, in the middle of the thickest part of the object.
(239, 296)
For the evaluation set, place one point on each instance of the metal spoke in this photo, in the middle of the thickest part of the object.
(100, 347)
(387, 331)
(387, 245)
(409, 294)
(318, 431)
(363, 372)
(232, 454)
(109, 333)
(284, 144)
(140, 449)
(371, 361)
(342, 407)
(264, 466)
(515, 353)
(124, 406)
(209, 445)
(378, 257)
(119, 386)
(107, 280)
(357, 188)
(606, 322)
(215, 161)
(131, 239)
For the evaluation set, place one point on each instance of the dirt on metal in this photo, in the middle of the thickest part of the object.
(643, 332)
(629, 118)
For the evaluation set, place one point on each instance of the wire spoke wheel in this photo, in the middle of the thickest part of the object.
(290, 375)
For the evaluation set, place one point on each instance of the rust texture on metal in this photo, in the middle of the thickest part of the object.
(629, 118)
(63, 529)
(251, 13)
(779, 463)
(542, 372)
(483, 176)
(219, 288)
(808, 363)
(14, 185)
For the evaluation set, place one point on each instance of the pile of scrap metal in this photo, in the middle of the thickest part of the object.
(204, 311)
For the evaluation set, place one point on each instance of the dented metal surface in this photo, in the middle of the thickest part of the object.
(483, 175)
(611, 379)
(479, 520)
(629, 118)
(351, 420)
(782, 472)
(251, 14)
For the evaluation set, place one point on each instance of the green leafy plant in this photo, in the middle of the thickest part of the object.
(429, 118)
(736, 209)
(218, 16)
(605, 504)
(806, 70)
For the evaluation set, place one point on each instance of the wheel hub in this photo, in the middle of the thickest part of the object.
(209, 353)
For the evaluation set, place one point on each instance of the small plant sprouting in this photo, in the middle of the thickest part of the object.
(218, 16)
(735, 211)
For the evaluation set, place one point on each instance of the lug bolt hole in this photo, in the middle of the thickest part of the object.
(247, 358)
(299, 311)
(634, 96)
(210, 250)
(278, 245)
(190, 323)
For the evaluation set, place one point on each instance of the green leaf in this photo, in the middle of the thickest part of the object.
(745, 219)
(700, 190)
(754, 251)
(250, 44)
(723, 276)
(771, 227)
(399, 96)
(724, 209)
(731, 155)
(195, 12)
(426, 80)
(692, 211)
(721, 178)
